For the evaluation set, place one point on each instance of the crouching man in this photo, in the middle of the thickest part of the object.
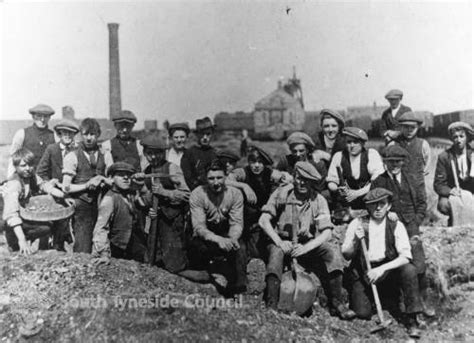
(217, 220)
(389, 253)
(116, 232)
(314, 231)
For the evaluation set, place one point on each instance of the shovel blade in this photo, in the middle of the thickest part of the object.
(305, 292)
(381, 326)
(287, 292)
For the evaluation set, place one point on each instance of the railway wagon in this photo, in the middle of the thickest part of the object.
(442, 121)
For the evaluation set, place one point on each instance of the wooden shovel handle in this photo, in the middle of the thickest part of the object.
(455, 174)
(294, 224)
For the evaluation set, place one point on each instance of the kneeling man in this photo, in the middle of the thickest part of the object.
(314, 231)
(389, 253)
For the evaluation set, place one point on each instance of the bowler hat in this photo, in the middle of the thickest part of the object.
(42, 109)
(203, 124)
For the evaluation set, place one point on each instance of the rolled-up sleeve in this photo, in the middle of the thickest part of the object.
(11, 210)
(178, 177)
(70, 164)
(271, 206)
(100, 240)
(332, 172)
(237, 174)
(323, 217)
(348, 243)
(198, 214)
(402, 242)
(236, 213)
(375, 165)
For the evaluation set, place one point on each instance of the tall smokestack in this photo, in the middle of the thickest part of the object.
(115, 102)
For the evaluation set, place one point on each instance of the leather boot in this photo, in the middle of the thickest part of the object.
(412, 326)
(337, 306)
(272, 291)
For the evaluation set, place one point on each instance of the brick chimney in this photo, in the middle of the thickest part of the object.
(68, 112)
(115, 100)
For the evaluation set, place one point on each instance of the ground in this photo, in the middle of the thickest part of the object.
(61, 296)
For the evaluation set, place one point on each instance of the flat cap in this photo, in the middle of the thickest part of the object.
(394, 94)
(356, 133)
(266, 159)
(154, 141)
(377, 194)
(227, 154)
(42, 109)
(300, 138)
(307, 171)
(125, 116)
(460, 125)
(120, 166)
(408, 117)
(67, 124)
(334, 114)
(394, 152)
(178, 126)
(203, 124)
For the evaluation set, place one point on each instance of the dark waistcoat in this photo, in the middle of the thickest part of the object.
(364, 175)
(37, 140)
(125, 151)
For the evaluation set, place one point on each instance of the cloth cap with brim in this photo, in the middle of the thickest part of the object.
(460, 125)
(307, 171)
(356, 133)
(66, 124)
(226, 154)
(154, 141)
(377, 194)
(178, 126)
(266, 159)
(42, 109)
(410, 118)
(300, 138)
(334, 114)
(125, 116)
(120, 166)
(394, 94)
(394, 152)
(204, 124)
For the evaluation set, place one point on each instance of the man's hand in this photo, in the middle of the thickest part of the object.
(455, 192)
(225, 244)
(156, 187)
(25, 247)
(351, 195)
(152, 213)
(376, 274)
(95, 182)
(359, 233)
(286, 246)
(392, 216)
(70, 202)
(250, 195)
(180, 196)
(286, 178)
(105, 260)
(300, 249)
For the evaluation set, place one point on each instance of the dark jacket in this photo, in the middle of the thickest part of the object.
(389, 122)
(193, 164)
(444, 177)
(50, 165)
(37, 140)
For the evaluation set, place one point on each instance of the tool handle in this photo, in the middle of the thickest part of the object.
(455, 174)
(294, 224)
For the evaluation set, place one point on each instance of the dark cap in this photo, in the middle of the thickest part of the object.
(125, 116)
(394, 152)
(178, 126)
(307, 171)
(377, 194)
(154, 141)
(120, 166)
(203, 124)
(408, 117)
(266, 159)
(300, 138)
(42, 109)
(394, 94)
(66, 124)
(356, 133)
(334, 114)
(227, 154)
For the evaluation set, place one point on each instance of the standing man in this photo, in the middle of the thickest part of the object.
(389, 254)
(195, 159)
(460, 152)
(389, 127)
(83, 178)
(178, 134)
(123, 147)
(35, 138)
(314, 231)
(217, 219)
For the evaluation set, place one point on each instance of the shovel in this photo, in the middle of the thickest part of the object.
(383, 323)
(297, 288)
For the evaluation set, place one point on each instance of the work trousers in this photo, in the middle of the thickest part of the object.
(32, 231)
(83, 222)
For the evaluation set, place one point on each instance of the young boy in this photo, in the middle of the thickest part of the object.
(83, 177)
(50, 168)
(115, 230)
(23, 184)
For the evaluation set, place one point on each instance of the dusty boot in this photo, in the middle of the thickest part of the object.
(412, 326)
(272, 291)
(428, 310)
(201, 276)
(337, 306)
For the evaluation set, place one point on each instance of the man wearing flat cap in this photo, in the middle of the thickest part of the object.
(389, 253)
(352, 170)
(389, 125)
(299, 203)
(419, 151)
(409, 206)
(461, 154)
(50, 167)
(116, 232)
(195, 159)
(124, 147)
(229, 158)
(301, 149)
(178, 134)
(36, 137)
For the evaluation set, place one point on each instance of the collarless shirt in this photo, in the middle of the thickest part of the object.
(395, 110)
(462, 164)
(174, 156)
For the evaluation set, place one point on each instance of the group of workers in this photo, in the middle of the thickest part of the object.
(157, 201)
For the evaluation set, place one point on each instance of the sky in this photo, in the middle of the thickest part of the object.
(183, 60)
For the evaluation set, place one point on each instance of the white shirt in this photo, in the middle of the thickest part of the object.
(462, 164)
(174, 156)
(377, 239)
(394, 111)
